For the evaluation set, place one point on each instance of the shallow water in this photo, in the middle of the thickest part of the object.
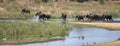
(116, 19)
(36, 19)
(92, 36)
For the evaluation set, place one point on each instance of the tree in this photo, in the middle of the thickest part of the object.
(1, 1)
(101, 2)
(37, 1)
(45, 1)
(81, 1)
(72, 0)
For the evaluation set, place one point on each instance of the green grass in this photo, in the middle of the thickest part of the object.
(25, 30)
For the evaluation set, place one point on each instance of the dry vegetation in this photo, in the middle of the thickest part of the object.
(13, 9)
(116, 43)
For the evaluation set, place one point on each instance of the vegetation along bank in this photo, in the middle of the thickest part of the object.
(26, 32)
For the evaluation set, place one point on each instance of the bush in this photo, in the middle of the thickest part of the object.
(45, 0)
(37, 1)
(1, 1)
(12, 0)
(81, 1)
(101, 2)
(8, 1)
(115, 15)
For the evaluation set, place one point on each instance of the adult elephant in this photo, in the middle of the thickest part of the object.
(79, 17)
(64, 16)
(107, 17)
(41, 16)
(94, 17)
(90, 17)
(25, 10)
(47, 16)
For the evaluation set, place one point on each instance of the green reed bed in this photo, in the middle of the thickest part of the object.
(25, 31)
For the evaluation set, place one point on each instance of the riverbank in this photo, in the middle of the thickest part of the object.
(111, 26)
(28, 32)
(29, 41)
(13, 9)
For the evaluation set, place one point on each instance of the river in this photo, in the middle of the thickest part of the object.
(80, 36)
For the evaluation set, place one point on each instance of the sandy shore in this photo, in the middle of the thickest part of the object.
(115, 43)
(112, 26)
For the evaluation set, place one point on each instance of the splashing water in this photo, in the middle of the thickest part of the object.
(35, 19)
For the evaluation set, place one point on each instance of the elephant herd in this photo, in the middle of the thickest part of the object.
(91, 17)
(42, 16)
(94, 17)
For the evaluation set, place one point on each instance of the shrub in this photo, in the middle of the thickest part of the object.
(37, 1)
(1, 1)
(101, 2)
(24, 30)
(115, 15)
(45, 1)
(80, 1)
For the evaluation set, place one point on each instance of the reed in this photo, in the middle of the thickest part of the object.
(16, 31)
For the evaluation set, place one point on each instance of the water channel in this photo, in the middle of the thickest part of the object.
(80, 36)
